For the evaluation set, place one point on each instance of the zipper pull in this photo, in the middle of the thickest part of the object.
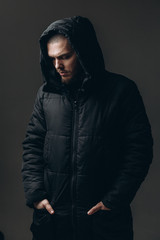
(75, 103)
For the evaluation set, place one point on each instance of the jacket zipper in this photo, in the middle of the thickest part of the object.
(74, 164)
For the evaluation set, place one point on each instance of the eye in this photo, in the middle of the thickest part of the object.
(65, 57)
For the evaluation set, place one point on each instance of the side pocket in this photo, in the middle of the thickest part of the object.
(43, 226)
(114, 224)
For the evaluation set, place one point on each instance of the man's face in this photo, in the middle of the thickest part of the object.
(64, 59)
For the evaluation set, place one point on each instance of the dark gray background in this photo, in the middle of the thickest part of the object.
(129, 34)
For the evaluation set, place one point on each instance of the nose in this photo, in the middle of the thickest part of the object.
(58, 63)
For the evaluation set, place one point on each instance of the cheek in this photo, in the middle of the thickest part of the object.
(71, 66)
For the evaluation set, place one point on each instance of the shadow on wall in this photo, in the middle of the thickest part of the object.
(1, 236)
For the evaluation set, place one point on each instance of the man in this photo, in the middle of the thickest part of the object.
(88, 145)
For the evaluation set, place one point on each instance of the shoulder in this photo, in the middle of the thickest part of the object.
(39, 96)
(43, 94)
(119, 81)
(118, 85)
(40, 92)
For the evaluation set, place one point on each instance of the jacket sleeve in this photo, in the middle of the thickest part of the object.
(136, 150)
(33, 165)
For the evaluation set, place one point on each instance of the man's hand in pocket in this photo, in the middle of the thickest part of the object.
(44, 204)
(97, 207)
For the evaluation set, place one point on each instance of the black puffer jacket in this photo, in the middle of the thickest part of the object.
(80, 151)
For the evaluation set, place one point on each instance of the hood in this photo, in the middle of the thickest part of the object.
(82, 37)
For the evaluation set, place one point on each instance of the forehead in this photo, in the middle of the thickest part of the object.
(58, 47)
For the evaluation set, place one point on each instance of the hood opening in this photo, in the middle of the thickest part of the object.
(81, 35)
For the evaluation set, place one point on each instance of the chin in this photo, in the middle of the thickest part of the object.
(66, 80)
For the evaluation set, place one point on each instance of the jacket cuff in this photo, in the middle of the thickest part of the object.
(30, 201)
(108, 204)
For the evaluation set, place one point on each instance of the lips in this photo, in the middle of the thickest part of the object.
(63, 73)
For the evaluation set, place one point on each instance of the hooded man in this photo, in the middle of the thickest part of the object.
(88, 145)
